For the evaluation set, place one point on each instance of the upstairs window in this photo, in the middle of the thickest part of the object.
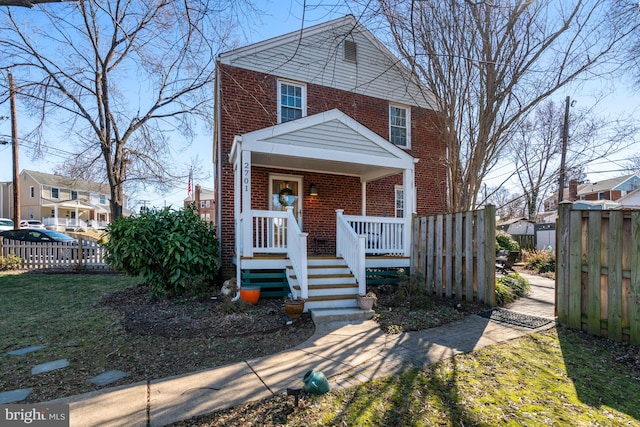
(74, 195)
(350, 51)
(55, 193)
(32, 192)
(292, 101)
(103, 199)
(400, 126)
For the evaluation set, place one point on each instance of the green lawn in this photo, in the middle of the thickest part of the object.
(556, 378)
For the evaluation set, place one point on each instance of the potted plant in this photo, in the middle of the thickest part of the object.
(293, 307)
(367, 301)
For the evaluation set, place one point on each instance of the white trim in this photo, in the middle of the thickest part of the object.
(303, 90)
(407, 110)
(293, 178)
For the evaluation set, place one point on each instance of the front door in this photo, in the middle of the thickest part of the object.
(284, 191)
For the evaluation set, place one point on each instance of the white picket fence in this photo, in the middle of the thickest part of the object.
(38, 255)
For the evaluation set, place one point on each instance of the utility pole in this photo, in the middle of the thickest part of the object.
(14, 146)
(565, 137)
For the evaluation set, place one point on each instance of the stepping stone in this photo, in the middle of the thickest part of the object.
(49, 366)
(14, 395)
(26, 350)
(107, 377)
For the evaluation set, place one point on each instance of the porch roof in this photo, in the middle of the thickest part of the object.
(328, 142)
(69, 204)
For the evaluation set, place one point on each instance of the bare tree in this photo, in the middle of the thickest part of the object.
(118, 76)
(508, 205)
(536, 147)
(489, 63)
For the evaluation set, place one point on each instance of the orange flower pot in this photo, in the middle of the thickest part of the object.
(250, 294)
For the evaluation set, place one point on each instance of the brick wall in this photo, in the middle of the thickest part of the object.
(248, 102)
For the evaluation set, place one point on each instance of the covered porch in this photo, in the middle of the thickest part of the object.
(74, 214)
(360, 165)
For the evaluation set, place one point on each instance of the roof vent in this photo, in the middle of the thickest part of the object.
(350, 51)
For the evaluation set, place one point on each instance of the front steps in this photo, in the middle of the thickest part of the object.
(325, 315)
(331, 285)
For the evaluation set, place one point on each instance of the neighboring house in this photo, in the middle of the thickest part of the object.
(204, 201)
(60, 202)
(322, 136)
(517, 226)
(597, 195)
(609, 189)
(630, 200)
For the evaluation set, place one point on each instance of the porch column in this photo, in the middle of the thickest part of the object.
(245, 215)
(409, 191)
(364, 197)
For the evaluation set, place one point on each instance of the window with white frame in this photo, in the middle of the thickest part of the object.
(55, 193)
(103, 199)
(202, 204)
(400, 126)
(208, 217)
(292, 101)
(208, 203)
(399, 202)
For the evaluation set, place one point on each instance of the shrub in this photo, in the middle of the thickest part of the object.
(541, 262)
(510, 287)
(504, 241)
(175, 252)
(10, 262)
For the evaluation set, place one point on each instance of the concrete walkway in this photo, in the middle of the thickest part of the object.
(346, 353)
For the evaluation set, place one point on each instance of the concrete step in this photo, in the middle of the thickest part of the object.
(323, 315)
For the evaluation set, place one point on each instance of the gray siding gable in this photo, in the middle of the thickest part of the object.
(316, 55)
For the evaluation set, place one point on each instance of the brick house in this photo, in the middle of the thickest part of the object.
(204, 200)
(324, 147)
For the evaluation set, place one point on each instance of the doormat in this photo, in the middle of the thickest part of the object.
(514, 318)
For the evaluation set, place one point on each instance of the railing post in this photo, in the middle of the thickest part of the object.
(362, 272)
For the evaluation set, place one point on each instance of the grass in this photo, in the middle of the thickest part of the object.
(57, 311)
(556, 378)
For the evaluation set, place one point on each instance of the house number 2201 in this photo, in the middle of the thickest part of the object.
(246, 175)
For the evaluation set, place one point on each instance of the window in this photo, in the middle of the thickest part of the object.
(208, 217)
(53, 213)
(399, 205)
(292, 101)
(201, 204)
(399, 126)
(55, 193)
(32, 192)
(74, 195)
(601, 195)
(103, 199)
(208, 203)
(202, 217)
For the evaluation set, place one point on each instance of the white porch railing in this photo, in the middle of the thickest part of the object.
(65, 222)
(278, 232)
(351, 247)
(383, 236)
(297, 252)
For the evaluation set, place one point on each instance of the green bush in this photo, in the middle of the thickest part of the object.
(10, 262)
(175, 252)
(541, 262)
(510, 287)
(504, 241)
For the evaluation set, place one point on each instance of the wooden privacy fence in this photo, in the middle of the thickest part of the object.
(598, 272)
(37, 255)
(454, 255)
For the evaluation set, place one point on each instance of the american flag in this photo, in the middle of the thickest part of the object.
(189, 185)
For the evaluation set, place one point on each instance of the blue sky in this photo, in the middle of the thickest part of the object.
(281, 17)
